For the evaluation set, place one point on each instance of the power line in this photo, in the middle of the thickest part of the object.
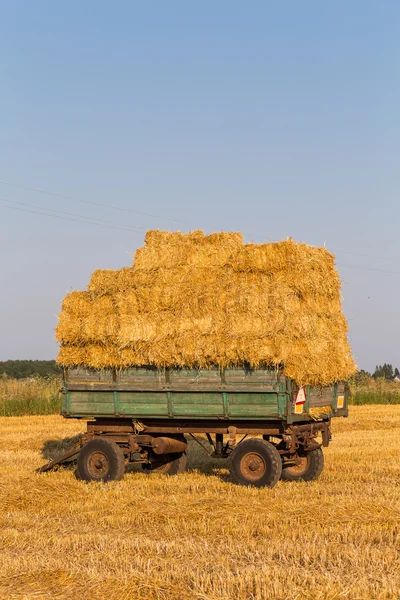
(131, 230)
(338, 250)
(56, 194)
(66, 218)
(127, 227)
(87, 219)
(369, 269)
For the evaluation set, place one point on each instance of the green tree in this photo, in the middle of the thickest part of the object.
(19, 369)
(386, 371)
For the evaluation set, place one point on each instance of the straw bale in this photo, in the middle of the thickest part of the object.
(102, 324)
(70, 355)
(194, 300)
(103, 281)
(316, 412)
(84, 320)
(76, 307)
(101, 356)
(77, 303)
(97, 356)
(109, 281)
(163, 250)
(305, 268)
(126, 304)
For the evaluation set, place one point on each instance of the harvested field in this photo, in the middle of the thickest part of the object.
(197, 536)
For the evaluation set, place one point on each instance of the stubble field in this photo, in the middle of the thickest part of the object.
(197, 535)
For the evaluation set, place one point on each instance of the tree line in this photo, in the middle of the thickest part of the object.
(20, 369)
(385, 371)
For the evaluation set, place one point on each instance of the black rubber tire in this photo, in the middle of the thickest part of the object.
(167, 464)
(108, 457)
(310, 471)
(256, 463)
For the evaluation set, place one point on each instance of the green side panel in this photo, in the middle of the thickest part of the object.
(207, 404)
(252, 405)
(232, 393)
(173, 404)
(85, 375)
(91, 403)
(138, 375)
(195, 377)
(143, 403)
(250, 377)
(317, 398)
(283, 404)
(247, 406)
(65, 403)
(321, 396)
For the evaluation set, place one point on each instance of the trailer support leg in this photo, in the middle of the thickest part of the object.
(210, 440)
(219, 440)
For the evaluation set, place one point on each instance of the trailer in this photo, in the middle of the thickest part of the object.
(266, 426)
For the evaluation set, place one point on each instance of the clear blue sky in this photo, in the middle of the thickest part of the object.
(275, 119)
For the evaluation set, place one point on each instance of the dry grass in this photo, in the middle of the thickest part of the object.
(192, 300)
(31, 396)
(367, 390)
(197, 536)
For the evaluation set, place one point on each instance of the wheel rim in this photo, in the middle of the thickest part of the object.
(253, 466)
(300, 467)
(98, 465)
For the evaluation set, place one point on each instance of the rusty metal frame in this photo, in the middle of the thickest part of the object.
(58, 461)
(186, 426)
(134, 437)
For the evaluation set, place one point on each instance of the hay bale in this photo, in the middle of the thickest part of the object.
(71, 356)
(165, 250)
(317, 412)
(76, 307)
(97, 356)
(102, 324)
(109, 281)
(85, 320)
(195, 300)
(127, 304)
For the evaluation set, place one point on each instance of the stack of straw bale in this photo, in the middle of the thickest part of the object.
(192, 300)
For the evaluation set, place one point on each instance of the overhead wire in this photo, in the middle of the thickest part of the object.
(55, 216)
(103, 205)
(355, 253)
(122, 228)
(369, 269)
(113, 207)
(110, 224)
(87, 219)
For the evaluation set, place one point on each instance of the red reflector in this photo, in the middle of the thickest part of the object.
(301, 396)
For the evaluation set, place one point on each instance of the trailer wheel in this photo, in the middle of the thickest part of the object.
(101, 460)
(168, 464)
(309, 469)
(256, 462)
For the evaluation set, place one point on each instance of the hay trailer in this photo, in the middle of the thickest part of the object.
(267, 427)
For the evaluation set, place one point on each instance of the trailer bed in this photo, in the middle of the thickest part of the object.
(232, 394)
